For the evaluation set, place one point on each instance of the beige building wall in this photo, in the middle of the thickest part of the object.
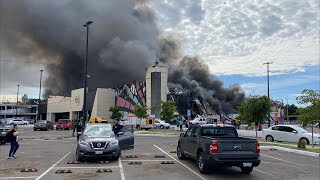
(57, 104)
(104, 99)
(77, 99)
(164, 82)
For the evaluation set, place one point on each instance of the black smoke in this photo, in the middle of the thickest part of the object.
(123, 40)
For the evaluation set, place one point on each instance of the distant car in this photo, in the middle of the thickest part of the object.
(63, 124)
(289, 133)
(98, 140)
(17, 121)
(3, 132)
(199, 120)
(43, 125)
(161, 124)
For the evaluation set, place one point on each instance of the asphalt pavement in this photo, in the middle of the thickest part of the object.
(51, 151)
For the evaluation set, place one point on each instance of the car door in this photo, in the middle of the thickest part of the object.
(274, 132)
(126, 137)
(282, 133)
(157, 124)
(290, 134)
(184, 144)
(192, 142)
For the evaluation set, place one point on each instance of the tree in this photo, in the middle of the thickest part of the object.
(140, 112)
(255, 109)
(310, 114)
(116, 114)
(167, 110)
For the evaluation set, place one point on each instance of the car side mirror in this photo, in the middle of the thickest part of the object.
(120, 133)
(296, 132)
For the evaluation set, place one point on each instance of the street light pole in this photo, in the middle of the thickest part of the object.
(39, 94)
(84, 110)
(267, 63)
(17, 101)
(287, 110)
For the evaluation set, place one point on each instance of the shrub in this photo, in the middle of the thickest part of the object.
(302, 144)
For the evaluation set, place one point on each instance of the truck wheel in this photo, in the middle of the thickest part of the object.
(180, 153)
(269, 138)
(202, 164)
(138, 127)
(161, 127)
(246, 170)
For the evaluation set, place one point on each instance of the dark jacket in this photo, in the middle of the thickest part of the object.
(11, 137)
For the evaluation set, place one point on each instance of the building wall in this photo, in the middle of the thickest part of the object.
(104, 99)
(77, 99)
(164, 83)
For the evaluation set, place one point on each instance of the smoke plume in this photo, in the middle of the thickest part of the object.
(123, 40)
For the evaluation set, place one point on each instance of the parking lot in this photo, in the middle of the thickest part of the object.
(47, 152)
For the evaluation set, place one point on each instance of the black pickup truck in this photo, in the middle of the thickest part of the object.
(215, 146)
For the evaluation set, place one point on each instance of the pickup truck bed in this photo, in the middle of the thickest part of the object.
(218, 149)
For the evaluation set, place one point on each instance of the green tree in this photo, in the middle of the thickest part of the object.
(255, 109)
(167, 110)
(116, 114)
(140, 112)
(310, 114)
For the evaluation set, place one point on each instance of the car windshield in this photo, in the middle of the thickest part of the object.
(98, 131)
(219, 131)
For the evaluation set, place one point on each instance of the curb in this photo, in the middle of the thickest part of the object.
(291, 150)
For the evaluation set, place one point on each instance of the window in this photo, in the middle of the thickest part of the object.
(276, 128)
(188, 133)
(194, 131)
(219, 131)
(288, 129)
(282, 128)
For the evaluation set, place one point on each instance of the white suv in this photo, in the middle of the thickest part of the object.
(161, 124)
(199, 120)
(17, 121)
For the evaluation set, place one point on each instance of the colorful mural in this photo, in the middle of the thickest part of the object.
(130, 95)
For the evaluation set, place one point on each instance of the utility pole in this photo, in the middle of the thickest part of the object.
(267, 63)
(84, 110)
(287, 110)
(17, 101)
(39, 94)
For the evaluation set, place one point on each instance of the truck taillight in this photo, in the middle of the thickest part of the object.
(213, 147)
(257, 147)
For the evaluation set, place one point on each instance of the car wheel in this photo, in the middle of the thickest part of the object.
(25, 124)
(304, 140)
(78, 157)
(269, 138)
(180, 153)
(202, 164)
(115, 158)
(3, 142)
(138, 127)
(34, 129)
(161, 127)
(246, 170)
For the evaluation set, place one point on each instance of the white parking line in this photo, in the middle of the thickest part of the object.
(79, 167)
(180, 163)
(121, 170)
(43, 174)
(145, 160)
(30, 177)
(282, 160)
(263, 172)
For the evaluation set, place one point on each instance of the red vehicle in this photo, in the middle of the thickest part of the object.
(63, 124)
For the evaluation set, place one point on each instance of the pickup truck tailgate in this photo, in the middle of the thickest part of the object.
(240, 149)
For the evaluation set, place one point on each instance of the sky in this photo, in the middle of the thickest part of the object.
(235, 38)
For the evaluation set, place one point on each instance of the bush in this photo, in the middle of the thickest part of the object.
(249, 127)
(302, 144)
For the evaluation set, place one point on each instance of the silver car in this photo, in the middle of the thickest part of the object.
(98, 140)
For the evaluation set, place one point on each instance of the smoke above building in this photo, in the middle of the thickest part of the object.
(123, 40)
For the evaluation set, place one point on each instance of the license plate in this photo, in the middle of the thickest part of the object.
(247, 164)
(99, 152)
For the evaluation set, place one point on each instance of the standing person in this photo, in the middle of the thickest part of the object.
(13, 139)
(117, 127)
(74, 123)
(260, 126)
(181, 123)
(79, 128)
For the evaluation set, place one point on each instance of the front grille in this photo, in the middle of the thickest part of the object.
(98, 144)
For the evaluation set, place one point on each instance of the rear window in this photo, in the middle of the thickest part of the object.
(219, 131)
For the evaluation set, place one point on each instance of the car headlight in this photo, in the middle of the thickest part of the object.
(82, 142)
(114, 143)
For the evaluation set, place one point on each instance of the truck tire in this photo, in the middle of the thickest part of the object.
(180, 153)
(161, 127)
(246, 170)
(202, 164)
(138, 127)
(269, 138)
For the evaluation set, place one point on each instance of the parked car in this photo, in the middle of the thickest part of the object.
(63, 124)
(215, 146)
(43, 125)
(161, 124)
(289, 133)
(17, 121)
(198, 120)
(98, 140)
(3, 132)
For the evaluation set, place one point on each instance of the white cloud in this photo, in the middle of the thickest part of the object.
(238, 37)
